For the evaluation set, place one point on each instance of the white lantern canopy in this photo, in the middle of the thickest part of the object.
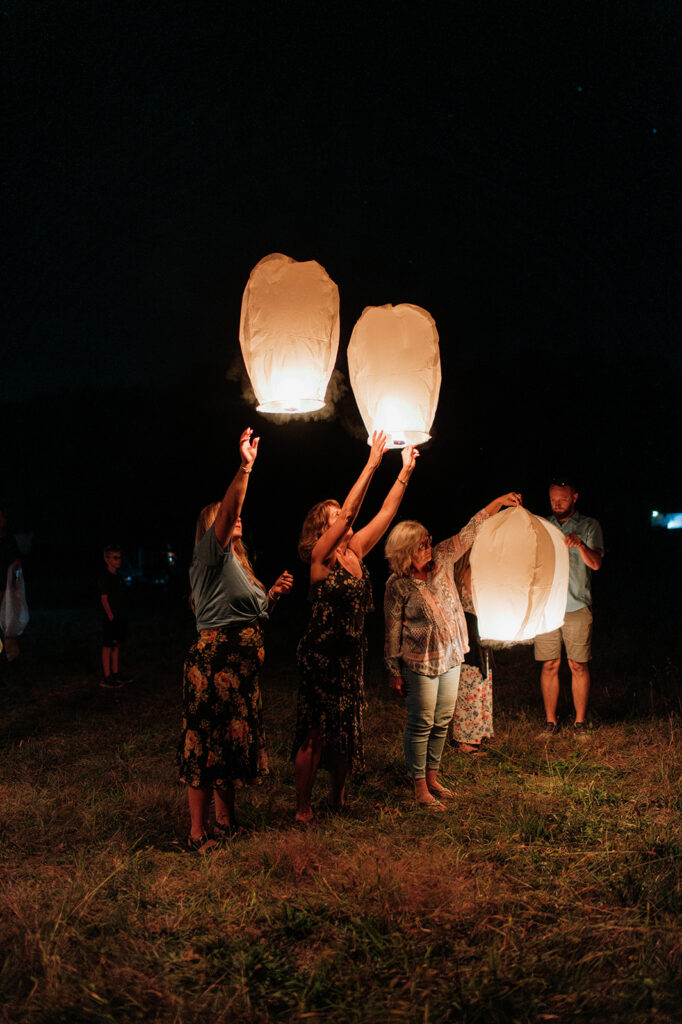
(519, 576)
(289, 333)
(394, 365)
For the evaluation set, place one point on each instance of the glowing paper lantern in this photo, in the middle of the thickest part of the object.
(289, 333)
(519, 576)
(394, 365)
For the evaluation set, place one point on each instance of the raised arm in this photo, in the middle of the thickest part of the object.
(461, 542)
(233, 499)
(365, 539)
(504, 501)
(330, 539)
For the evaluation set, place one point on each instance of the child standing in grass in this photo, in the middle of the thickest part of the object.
(112, 596)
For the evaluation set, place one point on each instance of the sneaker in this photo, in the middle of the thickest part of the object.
(550, 729)
(581, 731)
(110, 683)
(122, 680)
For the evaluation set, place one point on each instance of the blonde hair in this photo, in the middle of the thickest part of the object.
(205, 521)
(402, 545)
(314, 525)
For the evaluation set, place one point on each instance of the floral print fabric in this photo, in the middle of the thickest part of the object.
(331, 655)
(473, 717)
(223, 739)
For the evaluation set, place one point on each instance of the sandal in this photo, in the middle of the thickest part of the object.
(434, 806)
(203, 845)
(221, 832)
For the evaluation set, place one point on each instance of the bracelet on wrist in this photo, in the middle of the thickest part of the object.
(403, 482)
(244, 470)
(272, 596)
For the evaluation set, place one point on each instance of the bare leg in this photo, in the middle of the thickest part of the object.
(549, 683)
(338, 766)
(224, 806)
(199, 800)
(307, 762)
(106, 662)
(580, 680)
(114, 660)
(423, 796)
(433, 785)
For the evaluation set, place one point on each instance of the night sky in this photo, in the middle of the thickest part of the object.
(513, 168)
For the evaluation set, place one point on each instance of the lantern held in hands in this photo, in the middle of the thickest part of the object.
(394, 365)
(519, 576)
(289, 333)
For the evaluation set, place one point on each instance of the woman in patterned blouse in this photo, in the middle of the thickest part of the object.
(426, 640)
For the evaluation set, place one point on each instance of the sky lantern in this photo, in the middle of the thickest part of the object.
(519, 576)
(289, 333)
(394, 364)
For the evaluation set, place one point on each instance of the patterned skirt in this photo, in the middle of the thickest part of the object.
(473, 717)
(223, 739)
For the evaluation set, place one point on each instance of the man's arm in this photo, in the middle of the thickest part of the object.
(592, 557)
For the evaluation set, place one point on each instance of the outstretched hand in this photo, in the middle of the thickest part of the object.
(410, 454)
(248, 448)
(282, 584)
(378, 448)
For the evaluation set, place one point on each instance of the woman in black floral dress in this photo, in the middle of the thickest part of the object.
(331, 653)
(223, 742)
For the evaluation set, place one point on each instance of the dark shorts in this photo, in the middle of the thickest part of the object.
(114, 633)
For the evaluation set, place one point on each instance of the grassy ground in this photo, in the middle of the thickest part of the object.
(552, 891)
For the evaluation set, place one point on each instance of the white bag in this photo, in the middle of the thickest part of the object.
(14, 610)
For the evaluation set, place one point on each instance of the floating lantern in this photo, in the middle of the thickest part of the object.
(289, 333)
(519, 576)
(394, 365)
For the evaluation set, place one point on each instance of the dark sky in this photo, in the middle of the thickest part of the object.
(513, 168)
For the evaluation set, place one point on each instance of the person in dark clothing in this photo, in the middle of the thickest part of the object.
(112, 596)
(10, 572)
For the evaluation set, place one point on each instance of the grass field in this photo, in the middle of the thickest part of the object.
(551, 892)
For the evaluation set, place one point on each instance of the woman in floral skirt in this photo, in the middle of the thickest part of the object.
(223, 740)
(331, 653)
(472, 721)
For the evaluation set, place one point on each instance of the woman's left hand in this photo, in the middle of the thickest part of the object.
(506, 500)
(410, 454)
(248, 449)
(282, 585)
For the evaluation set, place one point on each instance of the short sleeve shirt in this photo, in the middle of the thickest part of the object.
(579, 574)
(222, 591)
(9, 552)
(112, 585)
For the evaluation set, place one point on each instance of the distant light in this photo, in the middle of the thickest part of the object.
(580, 88)
(666, 520)
(654, 131)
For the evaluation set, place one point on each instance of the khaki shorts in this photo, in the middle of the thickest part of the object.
(576, 634)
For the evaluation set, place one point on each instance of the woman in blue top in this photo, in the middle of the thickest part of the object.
(223, 741)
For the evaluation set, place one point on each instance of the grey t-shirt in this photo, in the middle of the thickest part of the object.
(222, 592)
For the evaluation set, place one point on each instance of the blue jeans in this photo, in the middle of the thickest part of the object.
(430, 703)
